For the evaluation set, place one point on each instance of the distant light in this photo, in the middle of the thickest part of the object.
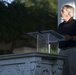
(9, 1)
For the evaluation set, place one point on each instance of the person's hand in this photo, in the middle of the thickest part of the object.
(67, 37)
(74, 38)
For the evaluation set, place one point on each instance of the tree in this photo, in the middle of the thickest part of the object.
(17, 19)
(44, 11)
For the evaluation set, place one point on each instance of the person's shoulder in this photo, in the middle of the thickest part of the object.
(74, 23)
(74, 20)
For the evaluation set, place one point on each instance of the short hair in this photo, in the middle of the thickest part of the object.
(70, 9)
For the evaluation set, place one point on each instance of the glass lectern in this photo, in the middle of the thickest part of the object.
(47, 40)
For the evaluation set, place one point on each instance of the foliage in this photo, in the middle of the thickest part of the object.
(17, 19)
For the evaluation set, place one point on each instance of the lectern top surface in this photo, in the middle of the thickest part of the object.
(50, 34)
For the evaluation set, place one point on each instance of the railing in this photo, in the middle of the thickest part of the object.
(32, 63)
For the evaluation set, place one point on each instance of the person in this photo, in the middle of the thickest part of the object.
(67, 28)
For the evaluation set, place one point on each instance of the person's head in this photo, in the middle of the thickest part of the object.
(67, 12)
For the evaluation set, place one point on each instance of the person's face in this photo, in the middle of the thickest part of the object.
(64, 13)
